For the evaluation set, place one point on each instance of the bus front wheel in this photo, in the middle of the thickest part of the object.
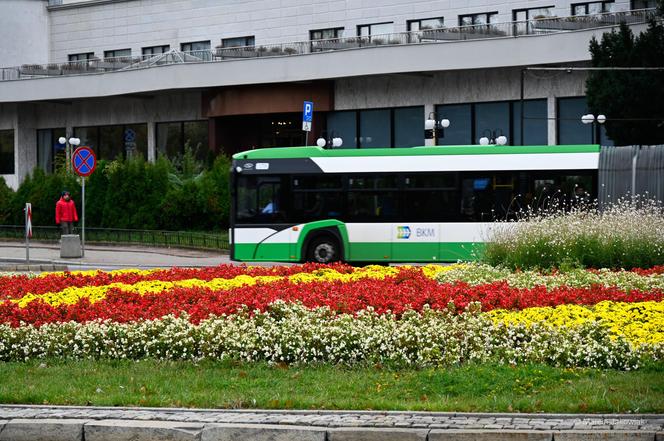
(323, 249)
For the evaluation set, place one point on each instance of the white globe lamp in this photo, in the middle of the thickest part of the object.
(588, 119)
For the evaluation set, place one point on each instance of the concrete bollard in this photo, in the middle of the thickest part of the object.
(70, 246)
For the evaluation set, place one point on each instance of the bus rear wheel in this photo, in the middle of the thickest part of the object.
(323, 249)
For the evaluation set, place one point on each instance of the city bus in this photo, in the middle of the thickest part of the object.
(419, 204)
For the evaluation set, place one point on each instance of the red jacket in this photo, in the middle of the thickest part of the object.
(65, 211)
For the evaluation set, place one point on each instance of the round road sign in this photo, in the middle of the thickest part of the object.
(84, 161)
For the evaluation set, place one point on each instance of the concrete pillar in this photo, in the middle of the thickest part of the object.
(25, 142)
(428, 108)
(69, 149)
(552, 114)
(152, 141)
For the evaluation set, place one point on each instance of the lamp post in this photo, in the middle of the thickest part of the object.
(590, 119)
(432, 125)
(495, 137)
(69, 142)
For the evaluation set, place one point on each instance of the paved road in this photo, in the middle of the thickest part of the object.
(108, 257)
(86, 423)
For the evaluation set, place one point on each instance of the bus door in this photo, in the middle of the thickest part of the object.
(372, 205)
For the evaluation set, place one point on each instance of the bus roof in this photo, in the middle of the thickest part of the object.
(318, 152)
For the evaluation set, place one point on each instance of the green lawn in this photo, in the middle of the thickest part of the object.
(481, 388)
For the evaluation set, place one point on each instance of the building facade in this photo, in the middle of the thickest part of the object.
(153, 77)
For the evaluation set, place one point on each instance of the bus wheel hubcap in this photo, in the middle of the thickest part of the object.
(324, 252)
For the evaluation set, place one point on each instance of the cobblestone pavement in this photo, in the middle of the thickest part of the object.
(409, 420)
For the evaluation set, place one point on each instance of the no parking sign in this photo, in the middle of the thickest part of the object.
(84, 161)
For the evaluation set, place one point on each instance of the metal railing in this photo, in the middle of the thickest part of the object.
(539, 26)
(158, 238)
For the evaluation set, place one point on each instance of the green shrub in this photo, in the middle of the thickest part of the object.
(6, 196)
(627, 234)
(43, 191)
(132, 194)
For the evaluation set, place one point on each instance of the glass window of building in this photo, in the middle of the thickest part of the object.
(155, 50)
(174, 137)
(198, 49)
(50, 153)
(195, 136)
(369, 30)
(492, 120)
(532, 13)
(81, 57)
(570, 128)
(375, 128)
(643, 4)
(239, 41)
(426, 24)
(117, 141)
(408, 123)
(89, 137)
(460, 131)
(6, 152)
(325, 34)
(589, 8)
(343, 125)
(378, 128)
(478, 19)
(117, 53)
(535, 122)
(470, 122)
(525, 15)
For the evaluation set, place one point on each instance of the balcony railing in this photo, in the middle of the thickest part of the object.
(548, 25)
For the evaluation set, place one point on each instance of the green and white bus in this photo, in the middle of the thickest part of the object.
(420, 204)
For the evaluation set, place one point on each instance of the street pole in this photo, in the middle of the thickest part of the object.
(82, 216)
(521, 131)
(27, 234)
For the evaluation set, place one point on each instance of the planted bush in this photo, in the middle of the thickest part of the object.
(134, 194)
(627, 234)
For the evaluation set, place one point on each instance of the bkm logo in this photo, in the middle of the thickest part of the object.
(403, 232)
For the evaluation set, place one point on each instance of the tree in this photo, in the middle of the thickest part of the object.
(633, 101)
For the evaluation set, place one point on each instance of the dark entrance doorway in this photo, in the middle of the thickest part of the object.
(247, 132)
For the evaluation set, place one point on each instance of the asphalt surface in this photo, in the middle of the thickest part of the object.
(109, 257)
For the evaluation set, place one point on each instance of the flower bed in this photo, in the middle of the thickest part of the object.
(338, 314)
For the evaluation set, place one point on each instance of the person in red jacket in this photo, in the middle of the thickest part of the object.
(65, 213)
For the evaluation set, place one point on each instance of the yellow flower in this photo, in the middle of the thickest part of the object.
(640, 322)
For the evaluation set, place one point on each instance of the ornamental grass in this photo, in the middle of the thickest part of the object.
(626, 234)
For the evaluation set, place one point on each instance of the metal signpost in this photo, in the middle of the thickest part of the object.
(307, 117)
(84, 162)
(28, 230)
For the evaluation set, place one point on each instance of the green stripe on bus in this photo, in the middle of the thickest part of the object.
(267, 252)
(368, 252)
(317, 152)
(414, 251)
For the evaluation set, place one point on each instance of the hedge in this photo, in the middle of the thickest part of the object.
(131, 194)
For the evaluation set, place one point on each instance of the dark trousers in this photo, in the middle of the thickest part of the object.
(67, 227)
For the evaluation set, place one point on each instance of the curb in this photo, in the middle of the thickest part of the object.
(34, 267)
(128, 430)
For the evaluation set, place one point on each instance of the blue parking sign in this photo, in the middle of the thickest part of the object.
(308, 111)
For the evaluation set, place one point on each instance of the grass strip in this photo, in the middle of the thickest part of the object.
(471, 388)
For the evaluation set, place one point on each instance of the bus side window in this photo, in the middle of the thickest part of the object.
(477, 199)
